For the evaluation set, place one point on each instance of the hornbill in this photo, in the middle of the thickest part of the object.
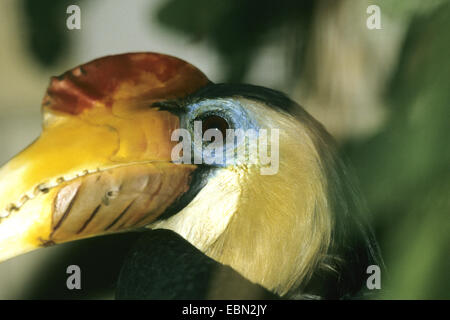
(104, 164)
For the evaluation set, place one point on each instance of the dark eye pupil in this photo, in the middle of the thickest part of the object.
(215, 122)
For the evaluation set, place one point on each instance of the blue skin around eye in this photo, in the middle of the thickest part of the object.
(228, 108)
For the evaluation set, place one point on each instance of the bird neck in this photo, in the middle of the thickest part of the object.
(281, 227)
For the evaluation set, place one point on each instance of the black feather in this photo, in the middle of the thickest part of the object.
(162, 265)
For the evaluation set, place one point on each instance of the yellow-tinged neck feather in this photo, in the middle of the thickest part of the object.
(282, 224)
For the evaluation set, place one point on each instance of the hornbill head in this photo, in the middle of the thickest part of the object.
(105, 163)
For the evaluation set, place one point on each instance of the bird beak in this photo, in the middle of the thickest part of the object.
(103, 161)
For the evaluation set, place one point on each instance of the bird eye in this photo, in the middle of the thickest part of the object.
(216, 123)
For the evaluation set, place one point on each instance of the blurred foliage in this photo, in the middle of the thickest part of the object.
(408, 8)
(237, 29)
(46, 32)
(405, 169)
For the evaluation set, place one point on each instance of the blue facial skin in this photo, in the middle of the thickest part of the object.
(229, 109)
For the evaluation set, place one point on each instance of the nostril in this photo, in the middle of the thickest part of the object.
(112, 194)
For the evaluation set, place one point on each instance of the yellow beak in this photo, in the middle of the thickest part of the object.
(103, 161)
